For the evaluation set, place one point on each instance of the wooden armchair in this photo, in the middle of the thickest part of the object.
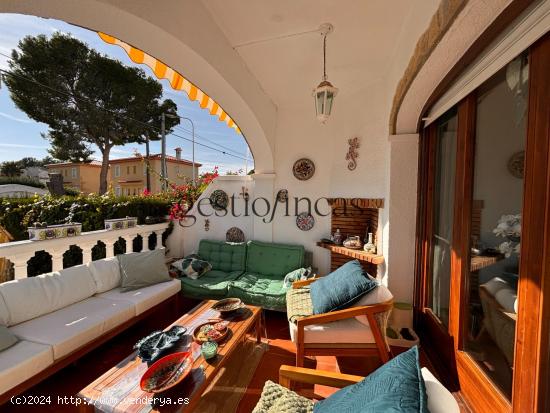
(339, 333)
(440, 400)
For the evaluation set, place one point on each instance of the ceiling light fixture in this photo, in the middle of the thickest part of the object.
(324, 93)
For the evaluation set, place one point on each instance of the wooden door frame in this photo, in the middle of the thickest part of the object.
(532, 328)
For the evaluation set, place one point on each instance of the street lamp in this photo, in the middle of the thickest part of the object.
(163, 136)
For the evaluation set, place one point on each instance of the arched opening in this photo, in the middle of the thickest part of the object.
(207, 60)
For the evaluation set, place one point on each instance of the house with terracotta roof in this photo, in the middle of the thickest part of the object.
(82, 176)
(128, 176)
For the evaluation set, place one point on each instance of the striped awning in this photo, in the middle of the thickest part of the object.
(177, 81)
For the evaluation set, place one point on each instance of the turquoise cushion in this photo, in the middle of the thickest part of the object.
(273, 259)
(223, 256)
(212, 285)
(340, 288)
(395, 387)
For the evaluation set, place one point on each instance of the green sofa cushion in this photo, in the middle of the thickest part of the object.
(261, 290)
(223, 256)
(212, 285)
(273, 259)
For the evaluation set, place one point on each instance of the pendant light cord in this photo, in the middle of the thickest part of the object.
(325, 57)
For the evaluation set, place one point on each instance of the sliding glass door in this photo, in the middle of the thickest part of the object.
(482, 254)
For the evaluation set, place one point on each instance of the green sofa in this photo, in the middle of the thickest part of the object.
(253, 272)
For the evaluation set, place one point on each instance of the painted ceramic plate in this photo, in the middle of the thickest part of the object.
(305, 221)
(303, 169)
(227, 305)
(219, 200)
(234, 234)
(166, 373)
(207, 332)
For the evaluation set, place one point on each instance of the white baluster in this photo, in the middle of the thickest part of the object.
(86, 253)
(20, 265)
(109, 246)
(129, 243)
(57, 260)
(159, 239)
(145, 236)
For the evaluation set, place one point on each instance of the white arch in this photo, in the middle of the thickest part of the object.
(183, 35)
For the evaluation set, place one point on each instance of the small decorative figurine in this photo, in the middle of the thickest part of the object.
(206, 224)
(369, 246)
(352, 154)
(337, 238)
(244, 193)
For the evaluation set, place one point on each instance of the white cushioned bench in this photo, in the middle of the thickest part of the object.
(56, 314)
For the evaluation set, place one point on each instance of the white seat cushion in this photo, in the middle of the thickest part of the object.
(440, 400)
(33, 297)
(106, 273)
(348, 331)
(72, 327)
(22, 361)
(4, 315)
(379, 295)
(145, 298)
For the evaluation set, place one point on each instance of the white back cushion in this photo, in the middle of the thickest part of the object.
(32, 297)
(379, 295)
(106, 273)
(440, 400)
(4, 315)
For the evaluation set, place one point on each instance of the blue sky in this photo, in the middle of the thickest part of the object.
(20, 136)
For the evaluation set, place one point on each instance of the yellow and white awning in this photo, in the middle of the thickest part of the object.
(177, 81)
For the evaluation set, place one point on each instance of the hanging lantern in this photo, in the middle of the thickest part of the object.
(324, 93)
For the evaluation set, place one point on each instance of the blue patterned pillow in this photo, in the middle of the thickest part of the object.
(397, 386)
(340, 288)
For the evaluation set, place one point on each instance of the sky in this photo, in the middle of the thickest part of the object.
(20, 136)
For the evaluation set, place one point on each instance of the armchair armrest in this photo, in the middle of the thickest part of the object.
(345, 313)
(303, 283)
(287, 374)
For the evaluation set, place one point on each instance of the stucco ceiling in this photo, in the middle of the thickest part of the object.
(372, 41)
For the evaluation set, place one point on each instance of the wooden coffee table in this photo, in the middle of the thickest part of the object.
(118, 389)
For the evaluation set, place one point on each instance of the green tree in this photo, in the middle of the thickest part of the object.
(10, 168)
(86, 98)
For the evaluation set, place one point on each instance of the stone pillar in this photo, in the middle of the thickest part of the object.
(401, 218)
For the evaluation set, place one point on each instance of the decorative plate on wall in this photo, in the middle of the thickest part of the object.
(234, 234)
(305, 221)
(516, 164)
(303, 169)
(219, 200)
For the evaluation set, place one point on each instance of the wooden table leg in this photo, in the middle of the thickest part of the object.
(259, 327)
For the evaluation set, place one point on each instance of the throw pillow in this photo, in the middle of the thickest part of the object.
(278, 399)
(141, 269)
(195, 268)
(340, 288)
(397, 386)
(7, 339)
(296, 275)
(177, 266)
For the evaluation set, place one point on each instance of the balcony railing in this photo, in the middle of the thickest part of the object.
(20, 252)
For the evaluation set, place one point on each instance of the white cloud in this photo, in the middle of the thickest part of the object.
(15, 118)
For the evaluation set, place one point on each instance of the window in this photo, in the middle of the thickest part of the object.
(134, 169)
(118, 191)
(445, 162)
(65, 172)
(73, 172)
(495, 229)
(128, 170)
(117, 171)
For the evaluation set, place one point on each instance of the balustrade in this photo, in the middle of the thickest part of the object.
(20, 252)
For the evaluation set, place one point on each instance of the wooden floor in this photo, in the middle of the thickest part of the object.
(69, 381)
